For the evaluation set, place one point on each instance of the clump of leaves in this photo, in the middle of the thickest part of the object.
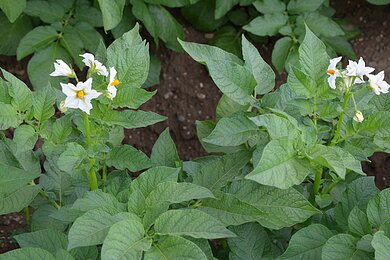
(268, 18)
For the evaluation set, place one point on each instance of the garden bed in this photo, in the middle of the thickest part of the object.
(186, 93)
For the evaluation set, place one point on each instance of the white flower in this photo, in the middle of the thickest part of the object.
(358, 116)
(62, 69)
(358, 69)
(377, 84)
(95, 65)
(333, 72)
(80, 96)
(111, 88)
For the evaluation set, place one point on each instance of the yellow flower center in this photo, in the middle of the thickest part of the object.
(80, 94)
(115, 83)
(330, 72)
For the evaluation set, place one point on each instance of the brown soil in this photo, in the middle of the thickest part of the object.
(186, 93)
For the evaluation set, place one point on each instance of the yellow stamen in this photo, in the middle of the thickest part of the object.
(330, 72)
(115, 83)
(80, 94)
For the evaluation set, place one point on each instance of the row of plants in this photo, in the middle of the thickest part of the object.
(283, 178)
(53, 29)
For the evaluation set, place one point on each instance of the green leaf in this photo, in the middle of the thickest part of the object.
(154, 72)
(12, 178)
(50, 240)
(43, 101)
(280, 52)
(358, 193)
(358, 222)
(223, 6)
(203, 53)
(230, 210)
(17, 200)
(112, 12)
(277, 126)
(262, 72)
(41, 65)
(269, 6)
(8, 116)
(217, 173)
(227, 107)
(167, 28)
(97, 199)
(25, 138)
(201, 16)
(36, 39)
(164, 152)
(12, 8)
(92, 227)
(341, 45)
(18, 90)
(301, 6)
(61, 129)
(73, 44)
(378, 208)
(88, 35)
(227, 39)
(234, 80)
(301, 83)
(173, 192)
(275, 203)
(307, 243)
(379, 2)
(190, 222)
(125, 240)
(267, 24)
(232, 131)
(132, 97)
(174, 247)
(381, 243)
(313, 56)
(329, 157)
(279, 165)
(172, 3)
(131, 119)
(47, 11)
(27, 253)
(149, 179)
(127, 157)
(72, 157)
(141, 12)
(12, 33)
(342, 246)
(321, 25)
(130, 56)
(251, 243)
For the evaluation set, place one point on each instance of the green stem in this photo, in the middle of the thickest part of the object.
(340, 123)
(27, 214)
(331, 186)
(91, 173)
(104, 175)
(316, 187)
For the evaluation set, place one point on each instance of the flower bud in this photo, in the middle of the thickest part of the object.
(62, 107)
(358, 117)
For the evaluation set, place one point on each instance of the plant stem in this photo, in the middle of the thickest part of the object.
(316, 186)
(340, 123)
(331, 186)
(104, 175)
(91, 173)
(27, 214)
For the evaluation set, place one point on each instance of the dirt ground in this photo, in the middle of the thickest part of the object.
(186, 93)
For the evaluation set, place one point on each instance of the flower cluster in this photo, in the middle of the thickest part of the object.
(80, 95)
(354, 75)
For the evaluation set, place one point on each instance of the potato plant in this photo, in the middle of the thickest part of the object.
(283, 179)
